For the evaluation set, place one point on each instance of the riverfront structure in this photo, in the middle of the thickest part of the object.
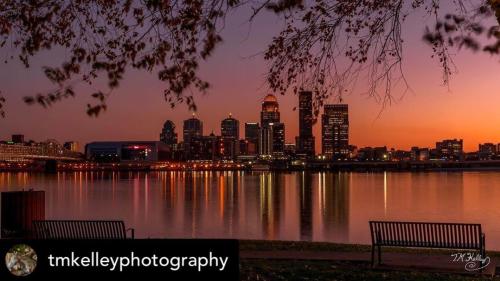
(335, 131)
(305, 142)
(230, 133)
(272, 132)
(168, 134)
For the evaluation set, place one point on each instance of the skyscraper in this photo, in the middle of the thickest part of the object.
(193, 128)
(335, 131)
(278, 133)
(230, 133)
(272, 132)
(252, 132)
(305, 141)
(270, 111)
(230, 128)
(168, 134)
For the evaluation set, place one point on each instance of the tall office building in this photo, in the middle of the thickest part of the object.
(270, 111)
(193, 128)
(252, 132)
(230, 128)
(230, 133)
(278, 132)
(272, 132)
(168, 134)
(305, 141)
(335, 131)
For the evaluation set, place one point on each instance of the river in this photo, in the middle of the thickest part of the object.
(328, 206)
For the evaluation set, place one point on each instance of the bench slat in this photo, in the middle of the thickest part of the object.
(79, 229)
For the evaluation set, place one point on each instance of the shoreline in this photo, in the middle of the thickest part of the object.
(352, 170)
(312, 166)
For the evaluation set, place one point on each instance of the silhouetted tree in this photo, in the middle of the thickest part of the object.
(324, 45)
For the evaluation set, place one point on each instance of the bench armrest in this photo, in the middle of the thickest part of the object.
(132, 232)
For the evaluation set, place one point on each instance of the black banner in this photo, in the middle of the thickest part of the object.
(169, 259)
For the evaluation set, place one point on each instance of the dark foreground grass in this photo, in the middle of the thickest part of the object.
(300, 270)
(273, 245)
(309, 270)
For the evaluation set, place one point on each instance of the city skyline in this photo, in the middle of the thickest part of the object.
(180, 132)
(334, 137)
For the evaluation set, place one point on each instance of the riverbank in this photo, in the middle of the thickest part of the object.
(286, 260)
(279, 166)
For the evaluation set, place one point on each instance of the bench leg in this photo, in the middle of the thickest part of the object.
(379, 255)
(373, 255)
(483, 255)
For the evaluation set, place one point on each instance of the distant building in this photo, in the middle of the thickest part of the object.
(366, 154)
(381, 154)
(278, 132)
(168, 134)
(419, 154)
(270, 111)
(252, 133)
(209, 147)
(472, 156)
(487, 151)
(272, 139)
(272, 132)
(433, 154)
(230, 133)
(451, 149)
(374, 154)
(193, 128)
(123, 151)
(72, 146)
(18, 138)
(305, 142)
(30, 151)
(290, 149)
(335, 131)
(230, 128)
(243, 146)
(353, 151)
(401, 155)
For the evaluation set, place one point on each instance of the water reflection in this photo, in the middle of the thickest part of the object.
(306, 205)
(335, 207)
(289, 206)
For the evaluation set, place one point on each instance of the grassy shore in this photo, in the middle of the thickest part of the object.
(301, 270)
(291, 270)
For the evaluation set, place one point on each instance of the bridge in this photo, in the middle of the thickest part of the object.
(49, 150)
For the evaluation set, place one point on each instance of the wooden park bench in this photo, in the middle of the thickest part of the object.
(461, 236)
(80, 229)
